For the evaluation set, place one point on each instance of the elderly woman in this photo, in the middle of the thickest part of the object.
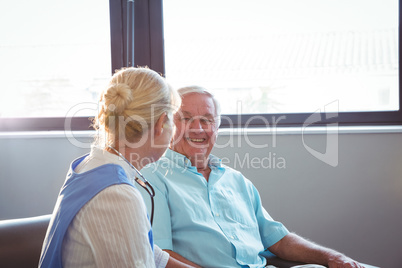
(100, 219)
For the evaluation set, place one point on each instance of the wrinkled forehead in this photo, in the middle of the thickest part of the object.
(196, 104)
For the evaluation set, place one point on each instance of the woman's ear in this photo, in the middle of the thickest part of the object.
(160, 124)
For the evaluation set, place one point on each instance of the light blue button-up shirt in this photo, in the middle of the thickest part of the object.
(219, 223)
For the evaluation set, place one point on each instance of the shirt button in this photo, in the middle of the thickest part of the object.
(217, 214)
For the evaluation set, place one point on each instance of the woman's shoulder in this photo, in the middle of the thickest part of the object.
(120, 193)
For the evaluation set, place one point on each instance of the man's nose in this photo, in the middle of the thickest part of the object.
(195, 125)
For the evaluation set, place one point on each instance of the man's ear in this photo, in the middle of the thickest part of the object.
(158, 128)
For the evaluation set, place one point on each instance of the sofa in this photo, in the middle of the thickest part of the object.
(21, 243)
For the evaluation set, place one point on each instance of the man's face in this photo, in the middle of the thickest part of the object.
(196, 127)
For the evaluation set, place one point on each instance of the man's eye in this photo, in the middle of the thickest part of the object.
(207, 121)
(185, 118)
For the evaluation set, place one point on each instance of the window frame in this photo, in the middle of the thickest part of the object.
(146, 48)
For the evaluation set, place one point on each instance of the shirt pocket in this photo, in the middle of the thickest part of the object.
(236, 207)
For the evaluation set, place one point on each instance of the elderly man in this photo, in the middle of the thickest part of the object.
(209, 214)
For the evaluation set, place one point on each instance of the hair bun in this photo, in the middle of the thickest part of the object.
(118, 97)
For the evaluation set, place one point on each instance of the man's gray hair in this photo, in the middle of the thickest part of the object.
(200, 90)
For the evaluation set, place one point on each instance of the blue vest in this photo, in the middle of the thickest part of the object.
(75, 193)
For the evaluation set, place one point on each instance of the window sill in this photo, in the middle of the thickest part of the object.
(223, 132)
(312, 130)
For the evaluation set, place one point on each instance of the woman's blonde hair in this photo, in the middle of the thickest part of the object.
(133, 101)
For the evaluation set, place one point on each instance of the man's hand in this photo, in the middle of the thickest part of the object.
(295, 248)
(341, 261)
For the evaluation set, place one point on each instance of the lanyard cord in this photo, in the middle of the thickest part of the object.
(142, 182)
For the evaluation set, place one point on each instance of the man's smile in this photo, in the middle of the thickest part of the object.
(196, 140)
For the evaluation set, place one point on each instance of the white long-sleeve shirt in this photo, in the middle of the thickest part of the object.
(111, 230)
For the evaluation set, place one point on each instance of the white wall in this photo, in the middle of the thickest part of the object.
(355, 207)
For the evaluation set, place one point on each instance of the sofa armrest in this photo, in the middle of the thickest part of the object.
(281, 263)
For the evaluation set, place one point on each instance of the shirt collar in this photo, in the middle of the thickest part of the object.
(183, 161)
(109, 158)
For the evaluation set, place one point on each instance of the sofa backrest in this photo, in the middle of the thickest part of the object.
(21, 241)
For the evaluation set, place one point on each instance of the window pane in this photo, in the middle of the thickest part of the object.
(54, 55)
(286, 56)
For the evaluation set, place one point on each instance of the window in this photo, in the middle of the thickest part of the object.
(268, 61)
(287, 59)
(55, 55)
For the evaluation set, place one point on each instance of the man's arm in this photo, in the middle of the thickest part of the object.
(295, 248)
(178, 258)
